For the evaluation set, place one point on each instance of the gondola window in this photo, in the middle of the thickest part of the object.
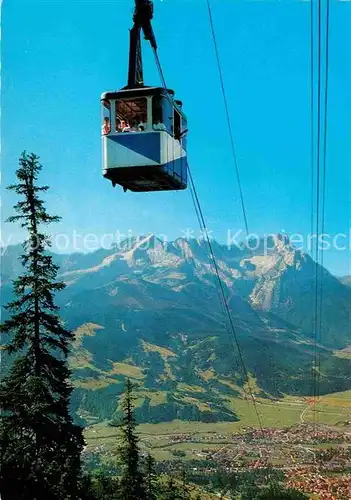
(131, 115)
(106, 118)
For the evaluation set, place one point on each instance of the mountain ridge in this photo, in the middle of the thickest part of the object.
(147, 298)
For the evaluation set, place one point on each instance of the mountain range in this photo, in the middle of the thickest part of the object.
(154, 312)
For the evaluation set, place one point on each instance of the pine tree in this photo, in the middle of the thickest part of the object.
(171, 491)
(40, 455)
(104, 487)
(184, 486)
(150, 478)
(131, 483)
(174, 490)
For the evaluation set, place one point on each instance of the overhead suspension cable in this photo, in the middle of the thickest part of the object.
(314, 243)
(243, 208)
(312, 119)
(242, 202)
(320, 187)
(317, 195)
(203, 233)
(323, 183)
(224, 300)
(228, 118)
(317, 219)
(159, 67)
(203, 226)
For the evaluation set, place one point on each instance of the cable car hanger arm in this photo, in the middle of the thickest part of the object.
(143, 14)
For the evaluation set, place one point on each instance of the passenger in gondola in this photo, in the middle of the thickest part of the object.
(125, 126)
(106, 127)
(142, 124)
(158, 125)
(135, 126)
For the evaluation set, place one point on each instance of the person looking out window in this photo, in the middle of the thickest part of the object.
(106, 127)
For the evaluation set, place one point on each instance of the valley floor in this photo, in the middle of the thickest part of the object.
(310, 442)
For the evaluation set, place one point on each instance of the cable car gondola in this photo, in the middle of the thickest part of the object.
(143, 128)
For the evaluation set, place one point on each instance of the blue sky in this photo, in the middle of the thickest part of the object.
(58, 56)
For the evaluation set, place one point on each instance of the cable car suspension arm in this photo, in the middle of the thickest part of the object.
(143, 14)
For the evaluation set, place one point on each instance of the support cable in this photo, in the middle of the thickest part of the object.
(316, 273)
(227, 310)
(312, 157)
(204, 232)
(228, 118)
(323, 182)
(159, 67)
(312, 111)
(321, 166)
(203, 225)
(243, 208)
(222, 301)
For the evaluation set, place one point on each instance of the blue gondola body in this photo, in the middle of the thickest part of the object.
(148, 159)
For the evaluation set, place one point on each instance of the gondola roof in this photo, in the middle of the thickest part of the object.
(136, 92)
(140, 92)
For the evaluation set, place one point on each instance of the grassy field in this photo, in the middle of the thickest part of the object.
(332, 409)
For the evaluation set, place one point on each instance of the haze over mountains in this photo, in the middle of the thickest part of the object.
(153, 312)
